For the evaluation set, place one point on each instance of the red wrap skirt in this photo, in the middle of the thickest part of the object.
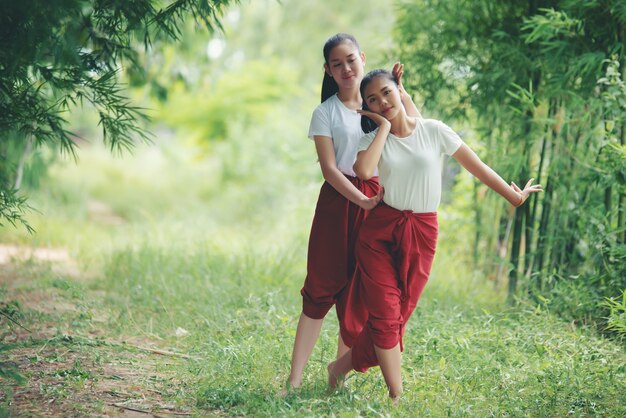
(331, 260)
(395, 251)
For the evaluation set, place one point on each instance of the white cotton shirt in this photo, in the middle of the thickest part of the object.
(343, 125)
(410, 168)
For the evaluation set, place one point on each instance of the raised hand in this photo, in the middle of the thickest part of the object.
(398, 71)
(405, 97)
(528, 189)
(379, 120)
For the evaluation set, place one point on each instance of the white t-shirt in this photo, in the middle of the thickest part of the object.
(410, 168)
(333, 119)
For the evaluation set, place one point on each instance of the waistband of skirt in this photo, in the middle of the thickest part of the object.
(356, 180)
(384, 206)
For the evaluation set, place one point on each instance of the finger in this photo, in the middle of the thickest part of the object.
(528, 183)
(515, 187)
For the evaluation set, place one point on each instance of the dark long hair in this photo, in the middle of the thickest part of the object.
(329, 85)
(367, 124)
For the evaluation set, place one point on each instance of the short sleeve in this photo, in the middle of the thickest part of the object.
(449, 140)
(320, 123)
(366, 140)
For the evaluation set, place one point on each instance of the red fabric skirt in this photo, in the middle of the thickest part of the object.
(331, 260)
(395, 251)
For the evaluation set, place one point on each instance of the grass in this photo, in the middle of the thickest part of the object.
(212, 269)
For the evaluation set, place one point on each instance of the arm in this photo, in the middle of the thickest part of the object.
(407, 100)
(328, 164)
(470, 161)
(367, 161)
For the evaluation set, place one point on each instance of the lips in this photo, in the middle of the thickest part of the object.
(386, 110)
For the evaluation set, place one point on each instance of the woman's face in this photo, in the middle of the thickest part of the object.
(346, 65)
(382, 97)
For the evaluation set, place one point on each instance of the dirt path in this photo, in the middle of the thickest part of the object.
(71, 367)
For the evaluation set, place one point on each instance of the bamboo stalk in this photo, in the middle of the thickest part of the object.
(550, 133)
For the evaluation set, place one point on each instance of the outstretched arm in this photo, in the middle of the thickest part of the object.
(407, 100)
(328, 164)
(513, 194)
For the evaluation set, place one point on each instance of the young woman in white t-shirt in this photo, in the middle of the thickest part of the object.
(397, 241)
(342, 204)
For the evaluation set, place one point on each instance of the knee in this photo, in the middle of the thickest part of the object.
(315, 308)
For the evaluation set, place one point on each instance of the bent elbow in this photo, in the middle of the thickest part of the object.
(362, 173)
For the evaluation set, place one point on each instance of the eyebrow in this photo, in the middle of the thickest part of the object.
(385, 87)
(337, 59)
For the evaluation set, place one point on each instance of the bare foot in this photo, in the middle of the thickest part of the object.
(289, 388)
(334, 381)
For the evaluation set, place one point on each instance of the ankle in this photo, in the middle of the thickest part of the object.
(335, 379)
(293, 383)
(395, 395)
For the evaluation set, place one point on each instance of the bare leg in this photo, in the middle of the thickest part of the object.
(342, 348)
(306, 336)
(390, 365)
(338, 369)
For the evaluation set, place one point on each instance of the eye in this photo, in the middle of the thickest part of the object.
(387, 92)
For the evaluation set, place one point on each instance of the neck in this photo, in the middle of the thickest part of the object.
(402, 125)
(350, 97)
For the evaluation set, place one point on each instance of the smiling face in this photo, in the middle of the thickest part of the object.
(345, 65)
(381, 95)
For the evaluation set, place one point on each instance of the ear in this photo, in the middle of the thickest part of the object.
(327, 70)
(363, 57)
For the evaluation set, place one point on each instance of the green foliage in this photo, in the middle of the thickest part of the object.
(12, 208)
(210, 112)
(9, 371)
(56, 55)
(617, 314)
(539, 86)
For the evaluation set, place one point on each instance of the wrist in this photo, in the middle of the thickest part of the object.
(364, 202)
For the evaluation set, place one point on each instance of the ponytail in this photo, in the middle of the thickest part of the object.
(367, 125)
(329, 87)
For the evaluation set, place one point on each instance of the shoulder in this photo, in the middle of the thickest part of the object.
(325, 110)
(327, 105)
(437, 127)
(430, 124)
